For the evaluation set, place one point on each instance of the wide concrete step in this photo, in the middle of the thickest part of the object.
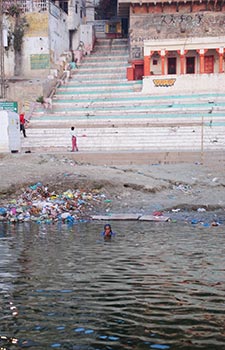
(104, 59)
(125, 111)
(102, 70)
(98, 77)
(86, 81)
(61, 119)
(128, 138)
(112, 52)
(107, 65)
(92, 60)
(128, 93)
(113, 102)
(94, 95)
(105, 72)
(98, 88)
(108, 47)
(74, 82)
(111, 42)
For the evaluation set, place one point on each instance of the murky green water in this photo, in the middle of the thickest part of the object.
(154, 286)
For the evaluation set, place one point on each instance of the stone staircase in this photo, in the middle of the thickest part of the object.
(110, 113)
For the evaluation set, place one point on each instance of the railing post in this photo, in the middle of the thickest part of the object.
(202, 140)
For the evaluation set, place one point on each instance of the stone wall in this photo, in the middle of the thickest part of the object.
(26, 91)
(162, 25)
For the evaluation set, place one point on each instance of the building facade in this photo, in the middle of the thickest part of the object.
(175, 38)
(52, 29)
(52, 34)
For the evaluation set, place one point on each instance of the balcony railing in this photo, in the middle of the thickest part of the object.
(28, 5)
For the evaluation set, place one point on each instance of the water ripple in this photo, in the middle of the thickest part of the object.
(152, 287)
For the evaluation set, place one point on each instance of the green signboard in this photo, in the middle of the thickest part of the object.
(41, 61)
(9, 106)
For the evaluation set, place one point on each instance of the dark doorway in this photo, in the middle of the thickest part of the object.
(190, 65)
(172, 65)
(125, 27)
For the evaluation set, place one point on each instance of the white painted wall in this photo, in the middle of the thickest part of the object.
(58, 35)
(74, 19)
(33, 46)
(186, 83)
(9, 63)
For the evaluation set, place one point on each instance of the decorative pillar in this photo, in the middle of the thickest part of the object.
(201, 53)
(163, 54)
(220, 52)
(147, 65)
(182, 54)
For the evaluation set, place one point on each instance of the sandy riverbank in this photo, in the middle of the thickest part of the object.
(131, 188)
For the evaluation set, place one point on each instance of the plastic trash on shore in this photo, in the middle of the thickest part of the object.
(36, 203)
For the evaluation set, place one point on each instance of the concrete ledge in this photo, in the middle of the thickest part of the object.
(117, 217)
(153, 218)
(131, 217)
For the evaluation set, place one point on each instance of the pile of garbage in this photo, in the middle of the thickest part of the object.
(37, 203)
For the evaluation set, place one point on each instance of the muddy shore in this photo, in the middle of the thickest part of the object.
(182, 190)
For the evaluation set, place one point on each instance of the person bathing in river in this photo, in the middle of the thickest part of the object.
(107, 233)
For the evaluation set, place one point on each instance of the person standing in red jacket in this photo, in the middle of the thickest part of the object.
(22, 124)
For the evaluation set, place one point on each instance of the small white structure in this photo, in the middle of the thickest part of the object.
(87, 36)
(9, 132)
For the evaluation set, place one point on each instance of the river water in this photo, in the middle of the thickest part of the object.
(153, 286)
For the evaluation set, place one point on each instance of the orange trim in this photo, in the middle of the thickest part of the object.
(146, 66)
(130, 73)
(201, 53)
(181, 64)
(202, 66)
(182, 54)
(221, 70)
(221, 63)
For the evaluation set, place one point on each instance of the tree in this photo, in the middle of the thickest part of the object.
(16, 32)
(106, 9)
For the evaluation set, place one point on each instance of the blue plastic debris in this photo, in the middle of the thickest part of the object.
(113, 338)
(3, 211)
(80, 329)
(56, 345)
(160, 346)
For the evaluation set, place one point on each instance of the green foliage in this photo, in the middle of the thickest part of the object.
(106, 9)
(14, 10)
(40, 99)
(18, 33)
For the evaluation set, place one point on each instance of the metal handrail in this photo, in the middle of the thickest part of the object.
(58, 83)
